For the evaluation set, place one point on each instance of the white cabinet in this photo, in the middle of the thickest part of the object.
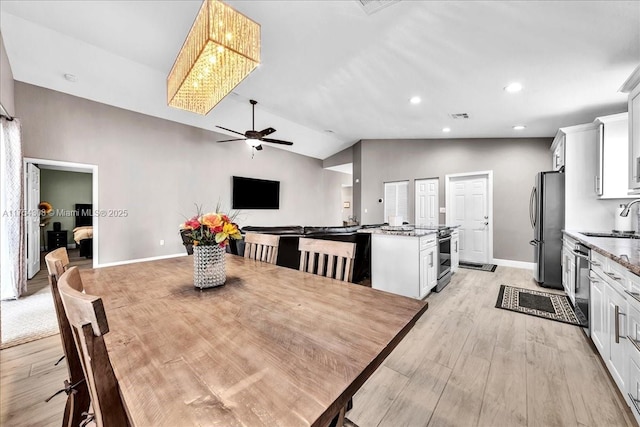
(404, 265)
(455, 251)
(608, 315)
(633, 348)
(615, 312)
(632, 87)
(569, 267)
(428, 270)
(633, 388)
(599, 328)
(557, 147)
(612, 157)
(568, 273)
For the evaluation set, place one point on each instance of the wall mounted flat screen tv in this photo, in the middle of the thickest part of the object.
(250, 193)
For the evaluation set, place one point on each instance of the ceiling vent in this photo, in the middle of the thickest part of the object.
(459, 116)
(372, 6)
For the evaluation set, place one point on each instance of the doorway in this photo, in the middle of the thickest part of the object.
(426, 202)
(34, 241)
(469, 198)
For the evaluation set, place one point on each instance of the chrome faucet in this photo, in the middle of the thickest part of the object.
(627, 207)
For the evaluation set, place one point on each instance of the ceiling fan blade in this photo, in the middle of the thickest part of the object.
(235, 139)
(229, 130)
(276, 141)
(258, 147)
(267, 131)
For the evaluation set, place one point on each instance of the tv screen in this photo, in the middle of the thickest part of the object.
(250, 193)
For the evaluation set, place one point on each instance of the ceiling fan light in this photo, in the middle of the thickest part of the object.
(252, 142)
(231, 50)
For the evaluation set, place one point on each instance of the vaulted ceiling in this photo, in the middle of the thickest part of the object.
(331, 74)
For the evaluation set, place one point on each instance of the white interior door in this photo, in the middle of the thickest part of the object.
(469, 208)
(33, 219)
(427, 205)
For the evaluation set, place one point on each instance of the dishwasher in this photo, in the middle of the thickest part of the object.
(582, 286)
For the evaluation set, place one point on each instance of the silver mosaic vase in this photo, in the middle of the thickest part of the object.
(208, 266)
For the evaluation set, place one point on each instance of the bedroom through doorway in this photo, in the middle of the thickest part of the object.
(69, 192)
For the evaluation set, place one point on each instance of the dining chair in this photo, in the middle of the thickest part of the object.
(75, 387)
(261, 247)
(89, 324)
(327, 258)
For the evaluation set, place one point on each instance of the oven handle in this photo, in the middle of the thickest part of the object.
(579, 255)
(444, 239)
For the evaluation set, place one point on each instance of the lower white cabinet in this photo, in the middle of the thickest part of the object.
(569, 273)
(612, 325)
(633, 388)
(428, 270)
(616, 311)
(633, 345)
(404, 265)
(455, 251)
(599, 327)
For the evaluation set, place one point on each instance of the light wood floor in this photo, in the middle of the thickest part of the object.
(466, 363)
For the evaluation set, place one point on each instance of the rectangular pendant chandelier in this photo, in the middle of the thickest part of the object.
(222, 48)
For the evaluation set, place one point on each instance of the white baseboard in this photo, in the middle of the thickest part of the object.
(133, 261)
(514, 264)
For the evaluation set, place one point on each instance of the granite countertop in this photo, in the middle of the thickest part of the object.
(403, 230)
(624, 251)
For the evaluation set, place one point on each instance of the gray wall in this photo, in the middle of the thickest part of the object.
(157, 170)
(514, 163)
(340, 158)
(63, 190)
(6, 81)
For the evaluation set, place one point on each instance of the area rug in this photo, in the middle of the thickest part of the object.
(537, 303)
(477, 266)
(28, 319)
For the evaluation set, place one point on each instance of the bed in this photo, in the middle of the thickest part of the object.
(83, 232)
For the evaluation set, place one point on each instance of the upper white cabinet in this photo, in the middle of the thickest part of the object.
(612, 157)
(557, 148)
(632, 87)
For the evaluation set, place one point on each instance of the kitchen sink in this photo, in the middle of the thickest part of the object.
(617, 235)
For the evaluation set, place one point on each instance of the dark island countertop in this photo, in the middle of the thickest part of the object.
(624, 251)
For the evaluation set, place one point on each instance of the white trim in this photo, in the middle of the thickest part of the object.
(133, 261)
(89, 168)
(514, 264)
(448, 203)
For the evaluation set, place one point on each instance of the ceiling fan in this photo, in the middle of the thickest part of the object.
(253, 137)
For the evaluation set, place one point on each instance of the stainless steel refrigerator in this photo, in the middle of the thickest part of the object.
(546, 212)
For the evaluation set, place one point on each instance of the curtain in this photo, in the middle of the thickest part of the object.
(13, 278)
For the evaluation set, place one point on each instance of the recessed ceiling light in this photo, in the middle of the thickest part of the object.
(415, 100)
(71, 77)
(519, 127)
(513, 87)
(446, 129)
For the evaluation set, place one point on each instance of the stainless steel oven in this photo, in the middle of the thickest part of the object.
(444, 258)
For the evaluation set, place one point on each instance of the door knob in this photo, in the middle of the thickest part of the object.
(486, 217)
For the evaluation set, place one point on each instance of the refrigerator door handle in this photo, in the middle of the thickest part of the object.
(533, 190)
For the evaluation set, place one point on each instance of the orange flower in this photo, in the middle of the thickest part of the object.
(212, 220)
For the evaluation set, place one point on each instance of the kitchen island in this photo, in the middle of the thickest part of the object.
(408, 260)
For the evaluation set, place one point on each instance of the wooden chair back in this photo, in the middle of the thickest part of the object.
(89, 324)
(261, 247)
(57, 262)
(327, 258)
(78, 402)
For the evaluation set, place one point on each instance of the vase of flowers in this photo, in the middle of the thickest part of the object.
(209, 234)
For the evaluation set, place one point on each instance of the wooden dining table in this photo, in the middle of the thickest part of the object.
(273, 346)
